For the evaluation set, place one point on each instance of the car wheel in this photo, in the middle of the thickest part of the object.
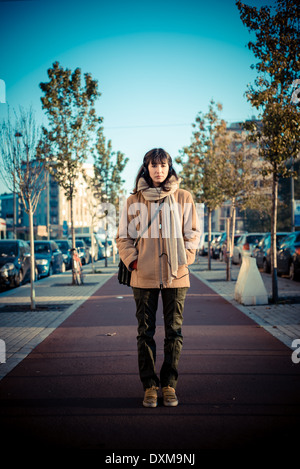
(50, 271)
(265, 266)
(292, 272)
(36, 275)
(19, 278)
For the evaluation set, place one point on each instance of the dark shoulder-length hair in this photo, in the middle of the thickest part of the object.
(157, 155)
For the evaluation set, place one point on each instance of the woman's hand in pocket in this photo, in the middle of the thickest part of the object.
(133, 265)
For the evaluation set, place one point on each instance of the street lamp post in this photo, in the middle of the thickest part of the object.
(104, 196)
(48, 206)
(292, 199)
(106, 223)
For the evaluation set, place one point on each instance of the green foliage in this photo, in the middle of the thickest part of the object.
(108, 166)
(284, 221)
(277, 49)
(242, 171)
(221, 165)
(256, 221)
(68, 140)
(201, 160)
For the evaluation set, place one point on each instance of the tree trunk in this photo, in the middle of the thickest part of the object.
(114, 251)
(231, 233)
(32, 259)
(92, 246)
(228, 258)
(273, 237)
(106, 227)
(209, 238)
(73, 238)
(233, 217)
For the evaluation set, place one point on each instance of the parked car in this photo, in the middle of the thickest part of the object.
(65, 246)
(14, 262)
(101, 250)
(259, 252)
(112, 244)
(49, 258)
(203, 244)
(88, 241)
(224, 246)
(109, 249)
(217, 246)
(101, 245)
(213, 247)
(83, 251)
(288, 256)
(245, 245)
(262, 253)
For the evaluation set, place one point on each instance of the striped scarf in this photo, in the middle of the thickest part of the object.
(172, 222)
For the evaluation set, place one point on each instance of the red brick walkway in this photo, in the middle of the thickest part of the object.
(238, 387)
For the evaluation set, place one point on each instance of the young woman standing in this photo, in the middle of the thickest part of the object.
(159, 264)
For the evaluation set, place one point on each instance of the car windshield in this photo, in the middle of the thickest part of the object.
(87, 241)
(79, 243)
(262, 241)
(63, 244)
(279, 238)
(236, 239)
(254, 239)
(8, 249)
(41, 248)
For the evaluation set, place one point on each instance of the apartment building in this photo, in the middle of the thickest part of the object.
(52, 217)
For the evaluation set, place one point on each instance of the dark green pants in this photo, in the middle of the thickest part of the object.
(146, 307)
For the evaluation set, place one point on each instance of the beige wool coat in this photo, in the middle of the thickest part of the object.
(150, 252)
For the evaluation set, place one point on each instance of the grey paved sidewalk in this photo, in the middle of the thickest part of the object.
(281, 320)
(22, 329)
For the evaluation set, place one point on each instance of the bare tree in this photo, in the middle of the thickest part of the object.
(22, 173)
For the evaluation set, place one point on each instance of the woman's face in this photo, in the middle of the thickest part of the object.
(158, 172)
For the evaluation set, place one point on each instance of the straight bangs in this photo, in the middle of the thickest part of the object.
(157, 156)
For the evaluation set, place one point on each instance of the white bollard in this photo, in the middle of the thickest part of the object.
(250, 288)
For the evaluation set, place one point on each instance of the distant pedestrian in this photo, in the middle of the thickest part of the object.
(77, 266)
(159, 264)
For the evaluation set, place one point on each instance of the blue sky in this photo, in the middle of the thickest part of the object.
(158, 63)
